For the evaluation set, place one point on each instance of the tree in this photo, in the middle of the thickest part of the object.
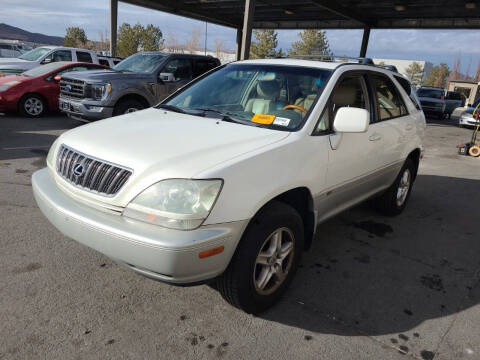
(75, 37)
(265, 44)
(415, 73)
(437, 76)
(193, 44)
(312, 42)
(132, 39)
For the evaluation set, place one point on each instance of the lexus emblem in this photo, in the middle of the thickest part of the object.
(78, 169)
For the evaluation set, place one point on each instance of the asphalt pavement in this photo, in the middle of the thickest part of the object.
(371, 287)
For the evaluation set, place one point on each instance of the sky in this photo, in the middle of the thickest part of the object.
(52, 17)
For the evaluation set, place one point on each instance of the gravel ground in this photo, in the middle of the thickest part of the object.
(371, 287)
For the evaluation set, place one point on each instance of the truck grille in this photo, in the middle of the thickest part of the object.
(89, 173)
(72, 88)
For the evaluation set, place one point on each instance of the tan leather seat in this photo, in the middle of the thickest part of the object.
(345, 95)
(266, 100)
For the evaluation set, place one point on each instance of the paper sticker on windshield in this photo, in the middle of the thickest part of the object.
(263, 119)
(281, 121)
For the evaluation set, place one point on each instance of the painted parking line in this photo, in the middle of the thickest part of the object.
(27, 147)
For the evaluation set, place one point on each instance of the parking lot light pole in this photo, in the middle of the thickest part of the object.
(247, 29)
(113, 27)
(366, 36)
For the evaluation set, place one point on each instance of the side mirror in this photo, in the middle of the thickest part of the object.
(351, 120)
(166, 77)
(47, 60)
(57, 78)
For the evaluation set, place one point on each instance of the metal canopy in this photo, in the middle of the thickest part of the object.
(328, 14)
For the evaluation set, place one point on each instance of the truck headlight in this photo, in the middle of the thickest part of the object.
(101, 91)
(175, 203)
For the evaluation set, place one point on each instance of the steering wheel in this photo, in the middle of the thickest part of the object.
(295, 107)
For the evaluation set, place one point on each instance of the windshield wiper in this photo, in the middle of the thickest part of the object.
(224, 116)
(171, 108)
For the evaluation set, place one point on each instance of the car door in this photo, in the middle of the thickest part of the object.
(395, 123)
(181, 69)
(353, 157)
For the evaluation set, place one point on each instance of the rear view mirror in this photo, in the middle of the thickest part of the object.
(351, 120)
(166, 77)
(57, 78)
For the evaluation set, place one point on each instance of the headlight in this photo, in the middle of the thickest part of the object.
(175, 203)
(8, 85)
(51, 155)
(101, 91)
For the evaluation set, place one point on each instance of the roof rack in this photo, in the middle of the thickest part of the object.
(333, 58)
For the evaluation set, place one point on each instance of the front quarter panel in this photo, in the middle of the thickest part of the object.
(252, 180)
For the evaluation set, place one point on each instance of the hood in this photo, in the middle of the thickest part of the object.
(16, 64)
(8, 78)
(11, 61)
(158, 144)
(104, 75)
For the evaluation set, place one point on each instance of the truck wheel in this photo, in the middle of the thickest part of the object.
(32, 105)
(393, 201)
(265, 260)
(127, 106)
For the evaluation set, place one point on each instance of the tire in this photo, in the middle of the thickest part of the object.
(32, 105)
(474, 151)
(393, 201)
(127, 106)
(241, 283)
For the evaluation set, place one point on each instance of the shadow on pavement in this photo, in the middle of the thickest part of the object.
(377, 275)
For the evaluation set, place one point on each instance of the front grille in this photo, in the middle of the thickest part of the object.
(72, 88)
(90, 173)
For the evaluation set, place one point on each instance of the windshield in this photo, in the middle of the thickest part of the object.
(140, 63)
(431, 93)
(43, 69)
(274, 96)
(34, 54)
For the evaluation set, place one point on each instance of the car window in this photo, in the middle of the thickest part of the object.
(451, 95)
(390, 103)
(60, 55)
(42, 69)
(350, 92)
(103, 62)
(34, 54)
(74, 68)
(180, 68)
(410, 91)
(267, 95)
(84, 57)
(202, 66)
(141, 63)
(431, 93)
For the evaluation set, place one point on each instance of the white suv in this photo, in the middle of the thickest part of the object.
(227, 179)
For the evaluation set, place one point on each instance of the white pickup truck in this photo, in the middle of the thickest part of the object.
(45, 55)
(227, 179)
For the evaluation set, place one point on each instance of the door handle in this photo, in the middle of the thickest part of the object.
(409, 127)
(375, 137)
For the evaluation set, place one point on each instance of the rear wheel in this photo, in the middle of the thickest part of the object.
(393, 201)
(266, 259)
(127, 106)
(32, 105)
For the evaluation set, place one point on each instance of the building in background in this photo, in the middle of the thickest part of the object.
(470, 89)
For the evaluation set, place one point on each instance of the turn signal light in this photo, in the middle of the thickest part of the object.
(211, 252)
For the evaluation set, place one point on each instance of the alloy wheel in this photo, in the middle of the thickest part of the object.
(403, 187)
(33, 106)
(274, 261)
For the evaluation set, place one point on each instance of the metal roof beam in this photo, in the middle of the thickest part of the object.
(344, 12)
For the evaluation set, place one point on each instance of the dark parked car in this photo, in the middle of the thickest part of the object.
(138, 82)
(453, 100)
(432, 100)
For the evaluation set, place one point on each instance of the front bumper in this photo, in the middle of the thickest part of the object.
(82, 111)
(163, 254)
(467, 121)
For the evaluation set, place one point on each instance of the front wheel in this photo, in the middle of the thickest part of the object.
(266, 259)
(32, 105)
(393, 201)
(127, 106)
